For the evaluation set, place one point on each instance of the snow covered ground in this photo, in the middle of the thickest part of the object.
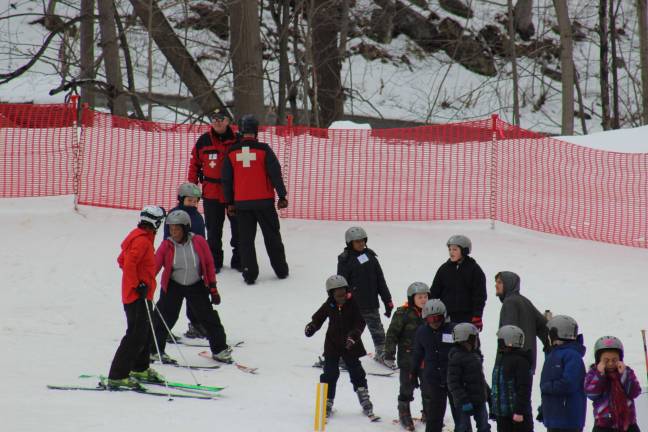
(61, 316)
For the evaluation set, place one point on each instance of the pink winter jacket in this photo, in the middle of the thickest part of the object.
(164, 258)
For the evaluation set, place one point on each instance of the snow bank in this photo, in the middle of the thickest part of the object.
(633, 140)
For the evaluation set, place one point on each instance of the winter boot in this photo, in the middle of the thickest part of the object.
(127, 383)
(329, 408)
(405, 416)
(194, 332)
(150, 375)
(235, 262)
(379, 356)
(166, 359)
(365, 403)
(224, 356)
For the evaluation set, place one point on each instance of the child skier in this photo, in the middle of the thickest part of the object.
(511, 386)
(432, 345)
(360, 267)
(466, 380)
(342, 340)
(137, 262)
(563, 374)
(400, 333)
(612, 386)
(188, 273)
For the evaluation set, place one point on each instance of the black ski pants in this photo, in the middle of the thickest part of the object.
(332, 373)
(268, 220)
(215, 212)
(199, 304)
(133, 352)
(440, 397)
(506, 424)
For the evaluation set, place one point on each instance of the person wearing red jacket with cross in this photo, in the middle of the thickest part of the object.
(251, 175)
(205, 167)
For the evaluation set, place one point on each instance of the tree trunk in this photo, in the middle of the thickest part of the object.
(581, 105)
(566, 66)
(642, 14)
(513, 57)
(129, 69)
(283, 24)
(325, 22)
(176, 53)
(87, 50)
(524, 19)
(245, 50)
(615, 73)
(111, 59)
(604, 70)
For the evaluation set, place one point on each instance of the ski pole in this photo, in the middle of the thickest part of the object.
(157, 347)
(175, 342)
(643, 336)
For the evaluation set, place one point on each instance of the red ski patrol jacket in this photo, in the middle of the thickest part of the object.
(137, 261)
(251, 174)
(206, 162)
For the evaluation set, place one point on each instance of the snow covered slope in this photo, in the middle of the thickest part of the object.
(61, 316)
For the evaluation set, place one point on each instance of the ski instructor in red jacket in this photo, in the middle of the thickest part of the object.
(205, 167)
(251, 175)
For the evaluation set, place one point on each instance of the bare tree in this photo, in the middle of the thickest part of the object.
(566, 66)
(129, 68)
(281, 17)
(176, 53)
(245, 51)
(642, 14)
(111, 59)
(513, 57)
(87, 50)
(604, 68)
(615, 66)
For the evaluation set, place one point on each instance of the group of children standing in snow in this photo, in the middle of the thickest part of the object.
(434, 340)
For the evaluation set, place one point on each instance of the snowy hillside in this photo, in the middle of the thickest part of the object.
(61, 316)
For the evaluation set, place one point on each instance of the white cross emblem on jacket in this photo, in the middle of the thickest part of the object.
(245, 156)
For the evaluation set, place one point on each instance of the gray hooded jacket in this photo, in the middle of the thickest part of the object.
(518, 310)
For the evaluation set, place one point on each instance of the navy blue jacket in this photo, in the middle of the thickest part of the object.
(197, 221)
(562, 386)
(365, 277)
(433, 347)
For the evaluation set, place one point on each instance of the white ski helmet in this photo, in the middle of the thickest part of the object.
(463, 331)
(355, 233)
(335, 282)
(434, 307)
(152, 215)
(563, 327)
(188, 190)
(179, 217)
(462, 241)
(512, 336)
(417, 288)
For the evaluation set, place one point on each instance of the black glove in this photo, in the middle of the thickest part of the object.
(282, 203)
(540, 417)
(389, 307)
(142, 290)
(349, 343)
(414, 380)
(215, 297)
(309, 330)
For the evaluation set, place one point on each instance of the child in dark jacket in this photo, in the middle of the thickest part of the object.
(402, 330)
(563, 375)
(432, 345)
(612, 386)
(466, 380)
(342, 340)
(511, 386)
(360, 267)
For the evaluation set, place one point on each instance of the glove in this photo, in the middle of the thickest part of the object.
(282, 203)
(389, 307)
(215, 297)
(349, 343)
(414, 380)
(142, 290)
(309, 330)
(391, 364)
(540, 416)
(468, 408)
(231, 210)
(477, 322)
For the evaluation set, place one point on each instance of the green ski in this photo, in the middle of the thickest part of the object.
(145, 391)
(173, 384)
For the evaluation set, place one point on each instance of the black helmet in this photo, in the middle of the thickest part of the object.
(248, 124)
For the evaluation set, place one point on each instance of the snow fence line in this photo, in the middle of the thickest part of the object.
(484, 169)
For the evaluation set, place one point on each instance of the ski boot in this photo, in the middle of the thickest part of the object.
(224, 356)
(365, 403)
(127, 383)
(235, 262)
(150, 375)
(194, 332)
(379, 356)
(166, 359)
(405, 416)
(329, 408)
